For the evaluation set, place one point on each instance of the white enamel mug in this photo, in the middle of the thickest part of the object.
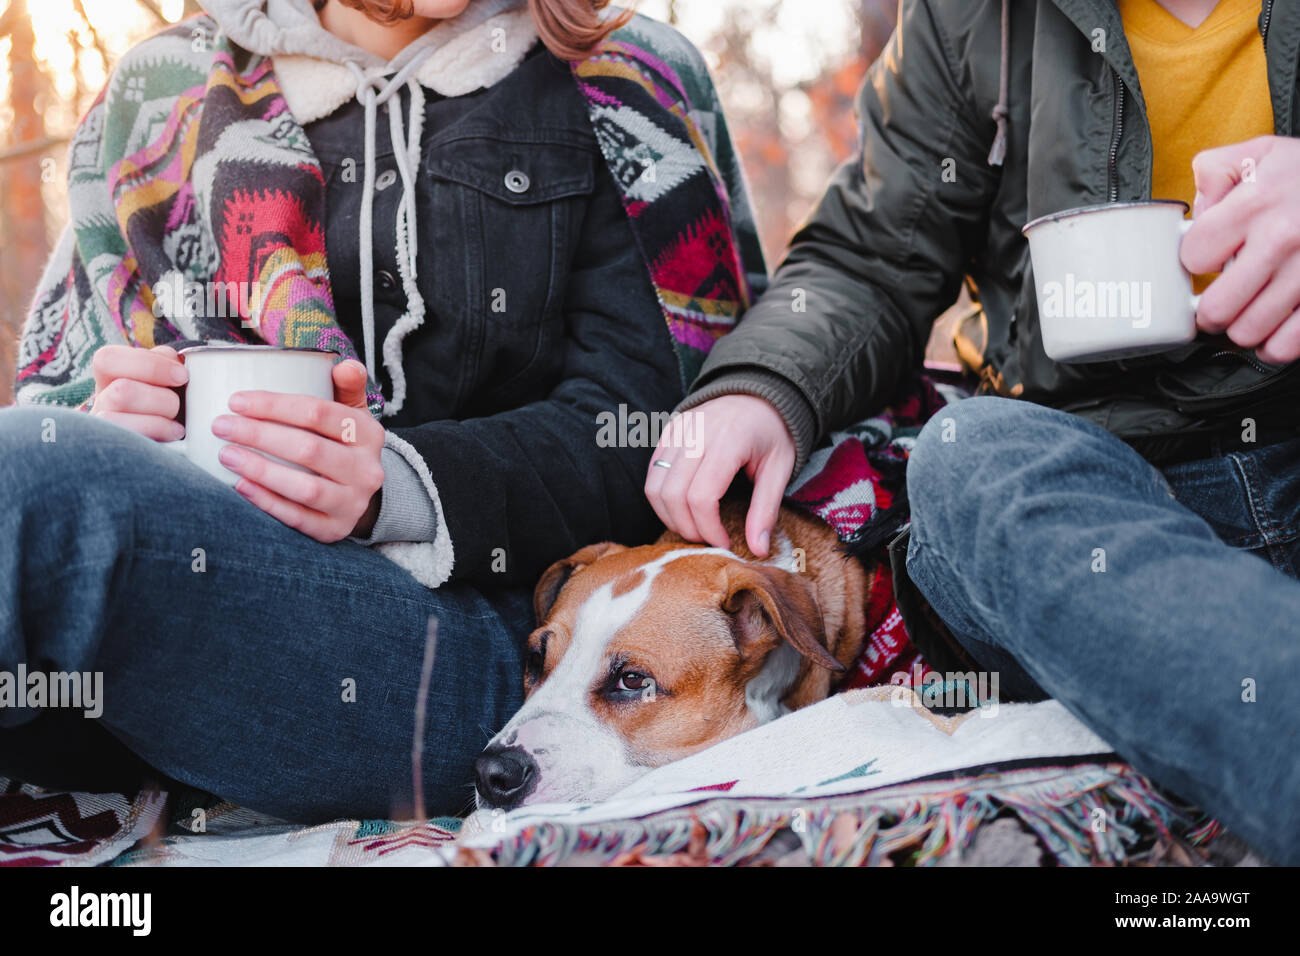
(218, 371)
(1109, 281)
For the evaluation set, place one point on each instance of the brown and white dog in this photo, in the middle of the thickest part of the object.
(646, 655)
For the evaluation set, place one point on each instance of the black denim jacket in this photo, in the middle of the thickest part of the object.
(540, 315)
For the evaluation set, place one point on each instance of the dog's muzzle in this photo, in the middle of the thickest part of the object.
(504, 776)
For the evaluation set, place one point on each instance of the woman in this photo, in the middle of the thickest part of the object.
(498, 233)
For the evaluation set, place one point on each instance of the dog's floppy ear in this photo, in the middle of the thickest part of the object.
(557, 575)
(763, 599)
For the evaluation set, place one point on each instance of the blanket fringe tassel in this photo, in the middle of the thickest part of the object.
(1084, 815)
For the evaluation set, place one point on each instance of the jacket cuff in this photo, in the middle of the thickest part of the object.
(430, 559)
(782, 394)
(406, 511)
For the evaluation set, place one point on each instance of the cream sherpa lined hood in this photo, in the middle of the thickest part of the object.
(469, 52)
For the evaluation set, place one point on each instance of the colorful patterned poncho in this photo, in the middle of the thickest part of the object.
(190, 169)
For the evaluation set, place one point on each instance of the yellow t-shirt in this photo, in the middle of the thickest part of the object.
(1203, 88)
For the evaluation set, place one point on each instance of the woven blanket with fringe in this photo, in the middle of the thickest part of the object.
(865, 777)
(868, 777)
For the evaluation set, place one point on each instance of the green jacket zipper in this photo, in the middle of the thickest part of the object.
(1117, 131)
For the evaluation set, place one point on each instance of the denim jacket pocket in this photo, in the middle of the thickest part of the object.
(509, 206)
(506, 215)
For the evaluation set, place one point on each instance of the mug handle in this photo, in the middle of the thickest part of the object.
(180, 445)
(1182, 231)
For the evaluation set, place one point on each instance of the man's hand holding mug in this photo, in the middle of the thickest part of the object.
(1246, 225)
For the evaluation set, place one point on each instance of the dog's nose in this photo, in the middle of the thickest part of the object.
(504, 776)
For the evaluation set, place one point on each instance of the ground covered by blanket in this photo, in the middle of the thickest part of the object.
(869, 777)
(866, 777)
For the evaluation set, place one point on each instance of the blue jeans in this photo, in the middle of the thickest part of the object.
(267, 668)
(1161, 609)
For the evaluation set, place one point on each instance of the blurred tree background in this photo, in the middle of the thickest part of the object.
(54, 58)
(787, 71)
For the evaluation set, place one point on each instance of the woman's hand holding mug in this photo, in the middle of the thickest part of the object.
(136, 388)
(339, 442)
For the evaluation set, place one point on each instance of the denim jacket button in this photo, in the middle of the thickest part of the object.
(385, 179)
(517, 181)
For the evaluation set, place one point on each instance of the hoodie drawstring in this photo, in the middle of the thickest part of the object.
(373, 92)
(999, 150)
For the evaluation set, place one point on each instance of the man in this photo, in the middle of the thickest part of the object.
(1122, 536)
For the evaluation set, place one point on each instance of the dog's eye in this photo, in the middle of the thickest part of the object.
(636, 682)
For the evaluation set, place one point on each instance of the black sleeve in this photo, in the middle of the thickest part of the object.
(534, 481)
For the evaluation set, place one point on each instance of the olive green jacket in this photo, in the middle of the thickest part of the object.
(926, 203)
